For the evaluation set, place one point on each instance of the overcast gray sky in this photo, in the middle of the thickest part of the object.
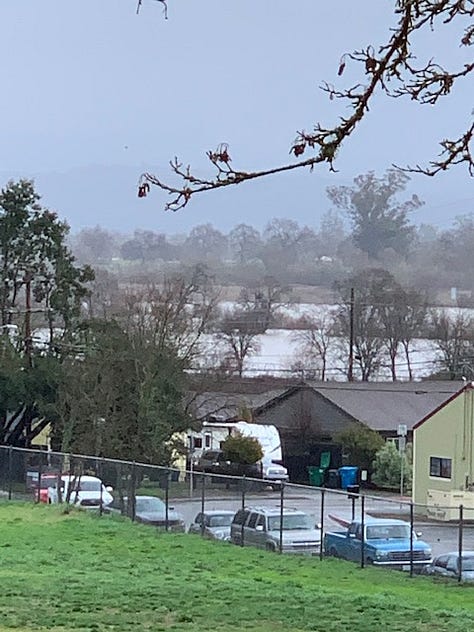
(93, 94)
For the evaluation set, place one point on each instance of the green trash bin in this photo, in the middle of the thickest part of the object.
(316, 476)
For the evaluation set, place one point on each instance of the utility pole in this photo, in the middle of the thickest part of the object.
(350, 372)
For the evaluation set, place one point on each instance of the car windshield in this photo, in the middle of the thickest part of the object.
(87, 486)
(223, 520)
(290, 522)
(146, 505)
(386, 532)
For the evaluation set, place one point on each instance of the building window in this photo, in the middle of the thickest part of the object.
(207, 439)
(198, 442)
(441, 468)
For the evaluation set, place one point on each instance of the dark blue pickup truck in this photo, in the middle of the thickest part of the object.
(386, 543)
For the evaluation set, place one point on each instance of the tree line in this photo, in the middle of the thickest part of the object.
(367, 225)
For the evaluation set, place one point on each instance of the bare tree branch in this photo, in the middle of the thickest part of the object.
(391, 70)
(163, 2)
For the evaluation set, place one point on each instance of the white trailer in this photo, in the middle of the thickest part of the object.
(213, 434)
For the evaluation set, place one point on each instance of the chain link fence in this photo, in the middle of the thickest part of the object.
(183, 499)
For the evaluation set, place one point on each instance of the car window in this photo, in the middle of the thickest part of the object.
(468, 563)
(388, 532)
(261, 521)
(441, 561)
(240, 517)
(253, 520)
(452, 564)
(295, 522)
(223, 520)
(150, 505)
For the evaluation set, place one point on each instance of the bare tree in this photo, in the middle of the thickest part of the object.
(238, 333)
(391, 70)
(264, 300)
(314, 342)
(367, 328)
(454, 338)
(174, 314)
(413, 315)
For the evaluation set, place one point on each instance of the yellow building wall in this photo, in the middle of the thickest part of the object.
(447, 434)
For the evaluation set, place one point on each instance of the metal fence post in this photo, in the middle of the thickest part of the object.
(203, 502)
(38, 489)
(362, 526)
(167, 500)
(10, 472)
(101, 500)
(244, 484)
(282, 500)
(321, 544)
(353, 500)
(132, 496)
(460, 540)
(412, 526)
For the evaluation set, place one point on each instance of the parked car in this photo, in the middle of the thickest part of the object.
(83, 491)
(386, 543)
(260, 527)
(447, 565)
(150, 510)
(214, 462)
(213, 524)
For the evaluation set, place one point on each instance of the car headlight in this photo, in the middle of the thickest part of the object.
(220, 535)
(427, 553)
(381, 555)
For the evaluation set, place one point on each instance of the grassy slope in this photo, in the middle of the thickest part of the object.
(80, 572)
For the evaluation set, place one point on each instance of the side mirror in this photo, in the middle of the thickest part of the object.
(109, 489)
(419, 534)
(259, 527)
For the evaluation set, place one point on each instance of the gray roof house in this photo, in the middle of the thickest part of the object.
(309, 415)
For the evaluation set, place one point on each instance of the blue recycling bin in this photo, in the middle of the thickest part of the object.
(348, 475)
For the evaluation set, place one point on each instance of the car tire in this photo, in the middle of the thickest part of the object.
(269, 546)
(369, 561)
(333, 552)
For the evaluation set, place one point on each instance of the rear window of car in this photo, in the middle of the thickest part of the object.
(240, 517)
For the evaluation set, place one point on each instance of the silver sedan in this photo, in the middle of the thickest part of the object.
(214, 524)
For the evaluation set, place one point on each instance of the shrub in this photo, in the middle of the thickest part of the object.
(240, 449)
(360, 445)
(387, 467)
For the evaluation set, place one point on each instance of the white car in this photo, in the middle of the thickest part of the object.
(84, 491)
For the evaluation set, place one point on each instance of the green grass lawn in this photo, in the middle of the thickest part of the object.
(81, 572)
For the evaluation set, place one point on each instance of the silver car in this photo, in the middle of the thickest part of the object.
(447, 565)
(260, 527)
(214, 524)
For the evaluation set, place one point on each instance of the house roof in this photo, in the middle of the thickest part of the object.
(381, 406)
(384, 405)
(229, 405)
